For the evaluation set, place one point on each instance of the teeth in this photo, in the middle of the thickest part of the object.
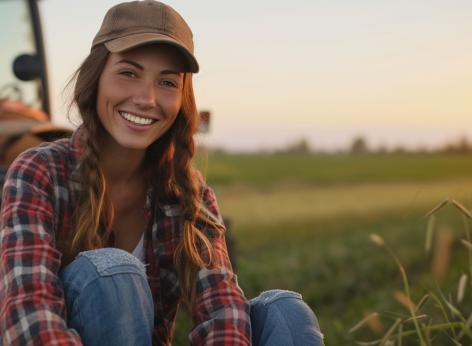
(135, 119)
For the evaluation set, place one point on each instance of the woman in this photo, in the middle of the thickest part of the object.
(103, 234)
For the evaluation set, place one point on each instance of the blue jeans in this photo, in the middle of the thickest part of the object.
(109, 302)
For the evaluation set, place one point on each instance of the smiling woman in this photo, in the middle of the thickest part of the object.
(140, 93)
(105, 233)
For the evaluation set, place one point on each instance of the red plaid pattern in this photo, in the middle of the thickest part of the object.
(39, 197)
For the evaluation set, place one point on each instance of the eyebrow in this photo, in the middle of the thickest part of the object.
(131, 62)
(140, 67)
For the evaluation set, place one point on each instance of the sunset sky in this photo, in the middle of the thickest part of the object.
(272, 72)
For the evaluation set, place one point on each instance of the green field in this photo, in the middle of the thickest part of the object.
(302, 222)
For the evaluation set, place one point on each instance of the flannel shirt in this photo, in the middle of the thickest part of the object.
(3, 172)
(39, 196)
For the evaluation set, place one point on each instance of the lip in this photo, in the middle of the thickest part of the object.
(141, 115)
(136, 127)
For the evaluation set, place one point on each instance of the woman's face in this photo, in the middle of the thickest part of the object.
(140, 94)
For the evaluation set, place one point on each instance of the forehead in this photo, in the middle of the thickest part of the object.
(153, 56)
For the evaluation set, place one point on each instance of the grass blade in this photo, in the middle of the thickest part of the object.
(430, 232)
(463, 209)
(437, 207)
(461, 288)
(363, 322)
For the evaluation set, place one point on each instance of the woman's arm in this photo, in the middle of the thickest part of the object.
(221, 311)
(32, 307)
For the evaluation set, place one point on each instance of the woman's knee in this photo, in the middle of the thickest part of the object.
(103, 271)
(93, 264)
(280, 317)
(108, 288)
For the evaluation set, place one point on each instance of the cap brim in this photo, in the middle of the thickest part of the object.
(132, 41)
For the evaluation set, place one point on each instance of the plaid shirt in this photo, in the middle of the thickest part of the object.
(39, 196)
(3, 172)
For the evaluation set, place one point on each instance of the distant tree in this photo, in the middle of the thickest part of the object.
(382, 149)
(400, 150)
(462, 145)
(359, 145)
(301, 146)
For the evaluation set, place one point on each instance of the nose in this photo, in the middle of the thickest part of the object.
(145, 96)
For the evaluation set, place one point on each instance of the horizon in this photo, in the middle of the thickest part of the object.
(460, 145)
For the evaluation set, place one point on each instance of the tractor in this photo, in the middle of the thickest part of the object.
(24, 95)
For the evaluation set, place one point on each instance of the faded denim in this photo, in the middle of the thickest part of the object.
(282, 318)
(108, 298)
(109, 303)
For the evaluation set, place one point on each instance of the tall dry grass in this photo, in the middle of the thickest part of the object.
(437, 318)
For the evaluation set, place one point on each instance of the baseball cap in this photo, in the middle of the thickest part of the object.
(136, 23)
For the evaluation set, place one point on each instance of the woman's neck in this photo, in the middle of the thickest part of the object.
(121, 165)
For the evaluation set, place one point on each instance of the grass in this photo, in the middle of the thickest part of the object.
(266, 170)
(446, 320)
(338, 271)
(286, 202)
(303, 229)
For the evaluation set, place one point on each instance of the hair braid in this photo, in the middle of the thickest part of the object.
(94, 210)
(195, 250)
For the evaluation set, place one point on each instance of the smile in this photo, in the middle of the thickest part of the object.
(135, 119)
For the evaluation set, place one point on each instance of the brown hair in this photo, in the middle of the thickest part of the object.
(168, 163)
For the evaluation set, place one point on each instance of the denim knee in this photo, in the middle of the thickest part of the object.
(108, 299)
(103, 262)
(280, 317)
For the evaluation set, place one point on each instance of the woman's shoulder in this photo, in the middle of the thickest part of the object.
(46, 158)
(58, 147)
(47, 152)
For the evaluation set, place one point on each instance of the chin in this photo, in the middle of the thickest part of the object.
(134, 145)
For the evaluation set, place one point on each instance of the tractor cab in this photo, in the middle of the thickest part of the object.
(23, 76)
(24, 95)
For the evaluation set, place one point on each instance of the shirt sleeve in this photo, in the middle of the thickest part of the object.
(32, 306)
(221, 311)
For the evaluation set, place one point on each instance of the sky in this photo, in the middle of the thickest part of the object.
(274, 72)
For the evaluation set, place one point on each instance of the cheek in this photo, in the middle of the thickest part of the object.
(173, 106)
(172, 110)
(109, 94)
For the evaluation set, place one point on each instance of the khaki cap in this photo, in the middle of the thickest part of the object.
(136, 23)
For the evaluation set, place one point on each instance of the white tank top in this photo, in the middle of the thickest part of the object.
(138, 251)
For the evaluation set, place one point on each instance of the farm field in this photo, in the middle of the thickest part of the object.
(302, 222)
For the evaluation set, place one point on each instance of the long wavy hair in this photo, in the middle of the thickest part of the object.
(168, 171)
